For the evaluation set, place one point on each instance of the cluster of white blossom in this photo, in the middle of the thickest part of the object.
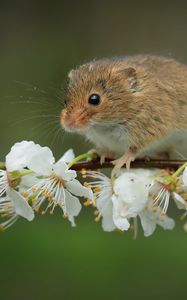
(142, 194)
(32, 181)
(126, 199)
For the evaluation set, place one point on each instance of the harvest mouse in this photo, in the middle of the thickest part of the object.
(132, 107)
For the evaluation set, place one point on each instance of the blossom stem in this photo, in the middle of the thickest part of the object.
(26, 172)
(81, 157)
(180, 170)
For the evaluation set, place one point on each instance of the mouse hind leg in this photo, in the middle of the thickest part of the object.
(126, 159)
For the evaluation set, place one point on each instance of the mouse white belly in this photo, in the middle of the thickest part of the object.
(109, 138)
(116, 139)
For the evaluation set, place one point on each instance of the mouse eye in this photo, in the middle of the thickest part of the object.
(94, 99)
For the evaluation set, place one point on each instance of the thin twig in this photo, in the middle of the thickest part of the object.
(139, 163)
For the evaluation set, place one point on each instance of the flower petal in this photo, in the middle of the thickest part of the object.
(28, 181)
(2, 199)
(61, 170)
(166, 222)
(17, 157)
(184, 176)
(28, 154)
(68, 156)
(75, 187)
(22, 208)
(72, 206)
(40, 160)
(180, 202)
(120, 220)
(121, 223)
(148, 225)
(108, 224)
(107, 217)
(149, 220)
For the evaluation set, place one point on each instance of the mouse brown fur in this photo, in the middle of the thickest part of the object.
(142, 108)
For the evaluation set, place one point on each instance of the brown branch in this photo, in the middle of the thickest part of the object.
(139, 163)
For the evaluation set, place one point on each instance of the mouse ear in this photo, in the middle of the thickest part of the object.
(130, 72)
(131, 76)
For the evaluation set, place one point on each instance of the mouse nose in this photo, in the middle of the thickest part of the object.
(66, 121)
(69, 122)
(77, 119)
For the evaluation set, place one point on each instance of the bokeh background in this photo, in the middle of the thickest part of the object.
(39, 43)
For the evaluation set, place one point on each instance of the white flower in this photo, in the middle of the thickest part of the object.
(150, 218)
(122, 199)
(16, 160)
(126, 199)
(19, 155)
(57, 184)
(11, 200)
(131, 191)
(12, 206)
(131, 199)
(103, 190)
(160, 195)
(167, 187)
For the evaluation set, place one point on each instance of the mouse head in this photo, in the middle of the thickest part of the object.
(99, 93)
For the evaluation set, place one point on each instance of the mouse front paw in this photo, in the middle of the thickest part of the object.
(102, 155)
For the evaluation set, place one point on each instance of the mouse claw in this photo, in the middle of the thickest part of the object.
(124, 160)
(102, 158)
(93, 151)
(106, 155)
(102, 155)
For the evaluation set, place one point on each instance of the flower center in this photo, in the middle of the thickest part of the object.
(58, 180)
(169, 184)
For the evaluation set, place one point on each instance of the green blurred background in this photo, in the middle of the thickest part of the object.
(39, 43)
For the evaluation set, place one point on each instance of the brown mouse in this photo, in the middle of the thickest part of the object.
(133, 106)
